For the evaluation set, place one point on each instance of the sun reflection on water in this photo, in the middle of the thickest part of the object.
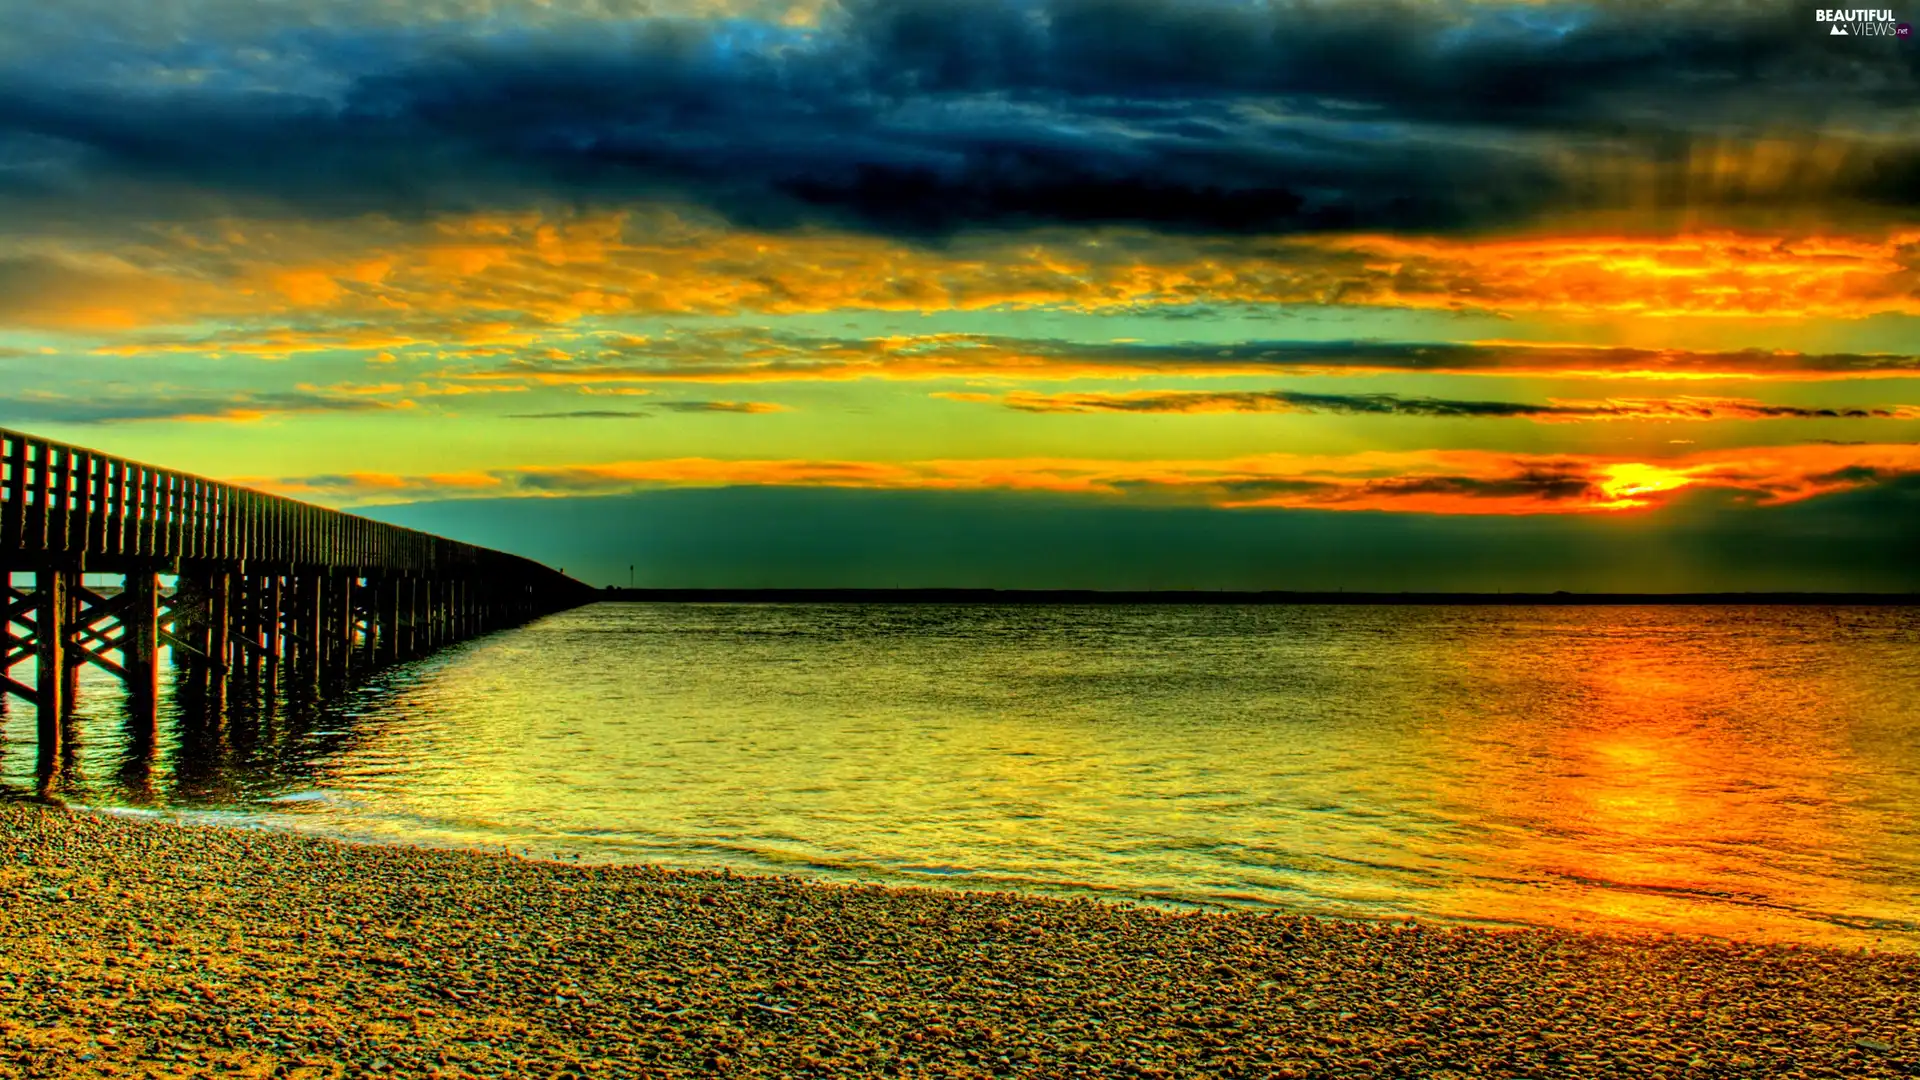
(1739, 772)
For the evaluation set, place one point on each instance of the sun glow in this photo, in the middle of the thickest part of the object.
(1626, 483)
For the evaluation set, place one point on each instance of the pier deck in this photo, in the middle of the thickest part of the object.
(234, 584)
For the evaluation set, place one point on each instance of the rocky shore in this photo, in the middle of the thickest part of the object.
(131, 948)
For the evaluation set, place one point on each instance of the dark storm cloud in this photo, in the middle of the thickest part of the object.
(922, 118)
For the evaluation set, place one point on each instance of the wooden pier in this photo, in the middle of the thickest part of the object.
(265, 589)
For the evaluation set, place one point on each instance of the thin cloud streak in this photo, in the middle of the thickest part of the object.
(734, 356)
(584, 414)
(1553, 412)
(751, 408)
(188, 408)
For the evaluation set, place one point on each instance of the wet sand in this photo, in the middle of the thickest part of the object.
(137, 948)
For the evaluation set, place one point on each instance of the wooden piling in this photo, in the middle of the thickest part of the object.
(140, 646)
(276, 613)
(50, 635)
(387, 619)
(219, 638)
(276, 640)
(414, 637)
(10, 640)
(344, 630)
(313, 628)
(71, 658)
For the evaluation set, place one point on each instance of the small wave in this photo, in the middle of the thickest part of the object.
(307, 797)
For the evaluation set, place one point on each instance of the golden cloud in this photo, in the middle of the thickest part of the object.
(534, 270)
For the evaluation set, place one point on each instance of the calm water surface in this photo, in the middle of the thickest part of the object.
(1748, 772)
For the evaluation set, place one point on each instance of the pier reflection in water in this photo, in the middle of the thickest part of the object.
(1747, 772)
(202, 751)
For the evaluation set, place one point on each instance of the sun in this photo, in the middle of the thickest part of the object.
(1626, 484)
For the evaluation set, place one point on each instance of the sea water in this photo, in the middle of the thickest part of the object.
(1746, 772)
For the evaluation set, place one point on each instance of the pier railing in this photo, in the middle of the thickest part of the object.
(62, 504)
(264, 587)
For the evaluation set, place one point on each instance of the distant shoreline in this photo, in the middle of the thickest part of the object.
(1195, 596)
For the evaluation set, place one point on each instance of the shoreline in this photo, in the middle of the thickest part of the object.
(139, 947)
(227, 818)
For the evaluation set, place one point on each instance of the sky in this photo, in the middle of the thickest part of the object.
(1377, 294)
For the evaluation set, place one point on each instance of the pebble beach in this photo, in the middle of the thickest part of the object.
(139, 948)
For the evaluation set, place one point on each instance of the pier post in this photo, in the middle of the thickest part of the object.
(237, 617)
(8, 639)
(276, 641)
(389, 619)
(73, 658)
(423, 614)
(256, 626)
(313, 622)
(292, 622)
(323, 634)
(343, 600)
(189, 604)
(239, 628)
(219, 637)
(276, 607)
(393, 618)
(50, 634)
(416, 634)
(140, 652)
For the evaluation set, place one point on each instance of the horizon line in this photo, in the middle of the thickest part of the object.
(1237, 596)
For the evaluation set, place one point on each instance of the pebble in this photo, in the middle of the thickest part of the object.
(141, 948)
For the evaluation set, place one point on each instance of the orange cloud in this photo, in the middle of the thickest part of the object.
(93, 292)
(562, 271)
(555, 270)
(1711, 273)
